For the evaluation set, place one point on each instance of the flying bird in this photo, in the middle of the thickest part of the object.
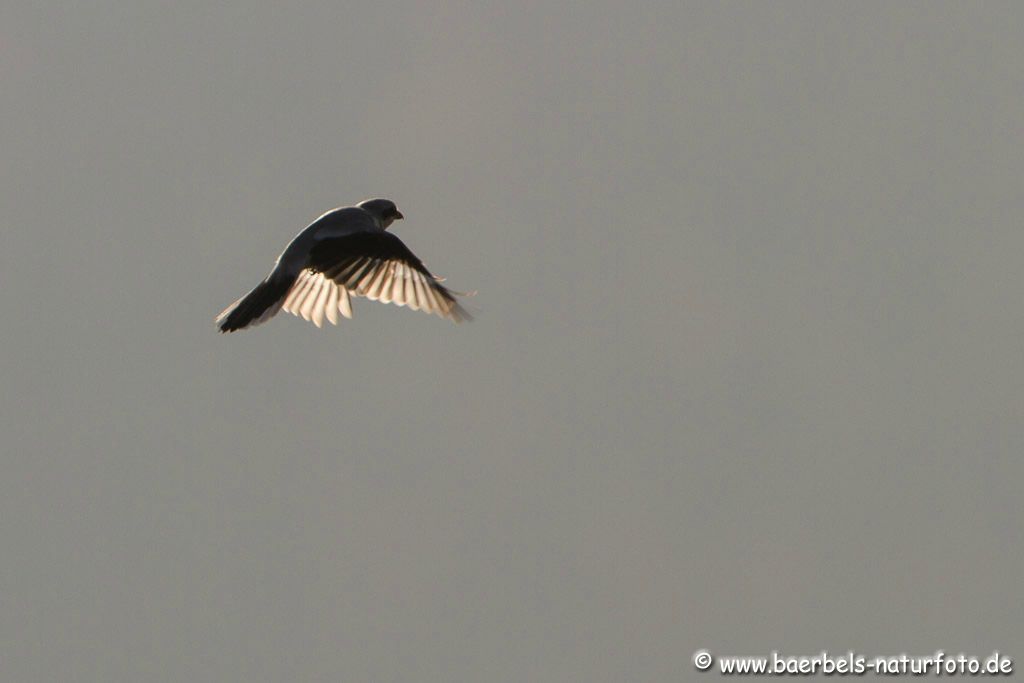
(344, 253)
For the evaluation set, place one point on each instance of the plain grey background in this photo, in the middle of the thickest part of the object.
(747, 372)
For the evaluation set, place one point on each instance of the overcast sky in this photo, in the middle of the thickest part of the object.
(747, 372)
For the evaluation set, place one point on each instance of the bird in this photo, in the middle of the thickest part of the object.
(347, 252)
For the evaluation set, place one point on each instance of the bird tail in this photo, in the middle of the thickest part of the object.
(259, 305)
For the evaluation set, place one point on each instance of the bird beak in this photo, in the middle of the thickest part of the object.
(398, 215)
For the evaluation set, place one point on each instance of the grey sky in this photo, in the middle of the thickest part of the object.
(746, 374)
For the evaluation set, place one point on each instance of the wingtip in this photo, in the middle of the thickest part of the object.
(458, 314)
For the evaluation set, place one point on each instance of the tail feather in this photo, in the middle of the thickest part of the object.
(257, 306)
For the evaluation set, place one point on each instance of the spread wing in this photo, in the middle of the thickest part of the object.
(375, 265)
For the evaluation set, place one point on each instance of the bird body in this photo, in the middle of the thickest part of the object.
(345, 252)
(335, 223)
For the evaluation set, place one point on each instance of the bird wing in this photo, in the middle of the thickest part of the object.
(375, 265)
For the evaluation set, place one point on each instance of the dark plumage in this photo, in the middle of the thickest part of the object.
(346, 252)
(254, 304)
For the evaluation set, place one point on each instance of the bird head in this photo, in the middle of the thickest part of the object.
(384, 210)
